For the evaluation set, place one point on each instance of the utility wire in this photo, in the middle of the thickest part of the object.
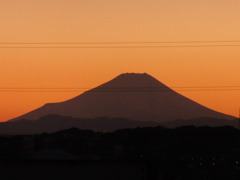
(123, 91)
(126, 42)
(118, 88)
(115, 47)
(152, 89)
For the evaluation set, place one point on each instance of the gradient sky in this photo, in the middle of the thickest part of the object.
(117, 21)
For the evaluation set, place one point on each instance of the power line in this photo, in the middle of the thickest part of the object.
(118, 90)
(113, 47)
(125, 42)
(146, 87)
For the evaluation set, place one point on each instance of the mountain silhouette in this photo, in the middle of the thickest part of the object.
(134, 96)
(53, 123)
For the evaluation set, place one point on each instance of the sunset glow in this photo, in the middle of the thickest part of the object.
(32, 77)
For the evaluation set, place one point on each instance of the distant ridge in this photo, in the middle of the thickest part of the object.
(54, 123)
(130, 95)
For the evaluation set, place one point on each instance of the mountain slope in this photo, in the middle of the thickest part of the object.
(137, 97)
(53, 123)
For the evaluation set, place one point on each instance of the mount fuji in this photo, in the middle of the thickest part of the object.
(134, 96)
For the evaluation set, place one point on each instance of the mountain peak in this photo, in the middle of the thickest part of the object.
(135, 80)
(135, 75)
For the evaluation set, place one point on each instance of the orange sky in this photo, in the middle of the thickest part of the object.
(114, 21)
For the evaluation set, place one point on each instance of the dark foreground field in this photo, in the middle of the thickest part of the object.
(141, 153)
